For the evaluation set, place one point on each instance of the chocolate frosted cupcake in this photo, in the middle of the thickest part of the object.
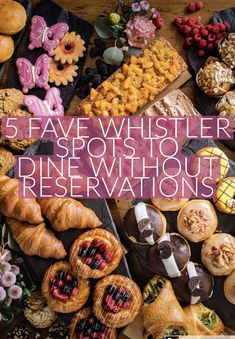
(144, 224)
(194, 285)
(170, 256)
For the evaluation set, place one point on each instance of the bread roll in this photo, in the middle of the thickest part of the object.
(6, 47)
(12, 17)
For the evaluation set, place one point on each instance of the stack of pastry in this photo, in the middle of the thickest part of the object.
(136, 82)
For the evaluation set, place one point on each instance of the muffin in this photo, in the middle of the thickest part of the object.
(226, 106)
(227, 50)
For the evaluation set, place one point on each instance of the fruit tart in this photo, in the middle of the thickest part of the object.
(84, 325)
(117, 301)
(95, 254)
(64, 291)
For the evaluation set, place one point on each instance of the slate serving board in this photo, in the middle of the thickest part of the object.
(52, 14)
(17, 37)
(137, 255)
(205, 104)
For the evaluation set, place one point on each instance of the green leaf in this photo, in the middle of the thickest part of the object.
(103, 27)
(113, 56)
(5, 230)
(11, 243)
(133, 51)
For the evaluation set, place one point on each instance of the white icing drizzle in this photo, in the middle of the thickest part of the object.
(48, 108)
(170, 263)
(33, 73)
(141, 213)
(44, 34)
(193, 273)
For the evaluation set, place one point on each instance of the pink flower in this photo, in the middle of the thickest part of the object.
(8, 279)
(6, 267)
(15, 292)
(140, 30)
(5, 254)
(144, 5)
(15, 269)
(2, 294)
(135, 7)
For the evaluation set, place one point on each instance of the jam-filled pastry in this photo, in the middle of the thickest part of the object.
(218, 254)
(117, 301)
(65, 292)
(225, 195)
(161, 313)
(203, 321)
(173, 204)
(84, 325)
(62, 74)
(194, 285)
(215, 78)
(229, 288)
(170, 256)
(144, 224)
(197, 220)
(226, 106)
(227, 50)
(70, 49)
(95, 254)
(219, 166)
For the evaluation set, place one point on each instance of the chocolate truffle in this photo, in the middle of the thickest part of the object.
(170, 256)
(194, 285)
(197, 220)
(144, 224)
(173, 204)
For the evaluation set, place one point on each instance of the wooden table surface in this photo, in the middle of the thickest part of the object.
(90, 9)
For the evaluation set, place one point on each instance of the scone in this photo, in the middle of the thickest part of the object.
(227, 50)
(10, 100)
(6, 47)
(226, 106)
(12, 17)
(6, 161)
(215, 78)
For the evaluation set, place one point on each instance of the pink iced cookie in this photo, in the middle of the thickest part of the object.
(34, 75)
(46, 37)
(51, 105)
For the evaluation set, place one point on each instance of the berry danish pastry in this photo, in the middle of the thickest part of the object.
(95, 254)
(85, 325)
(117, 301)
(64, 291)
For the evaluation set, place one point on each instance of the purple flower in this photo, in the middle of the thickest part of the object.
(125, 48)
(15, 292)
(5, 254)
(2, 294)
(135, 7)
(6, 267)
(8, 279)
(144, 5)
(154, 12)
(15, 269)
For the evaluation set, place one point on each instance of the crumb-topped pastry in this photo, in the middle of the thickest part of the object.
(136, 82)
(11, 99)
(227, 50)
(215, 78)
(225, 193)
(169, 204)
(117, 301)
(144, 224)
(203, 321)
(229, 288)
(84, 325)
(65, 292)
(170, 255)
(95, 254)
(197, 220)
(194, 285)
(218, 254)
(226, 106)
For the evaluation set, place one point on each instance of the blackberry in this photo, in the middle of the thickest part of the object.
(92, 251)
(110, 289)
(84, 80)
(94, 265)
(96, 327)
(81, 94)
(81, 325)
(112, 69)
(60, 275)
(99, 43)
(102, 67)
(97, 80)
(83, 252)
(117, 296)
(74, 283)
(91, 71)
(126, 296)
(95, 51)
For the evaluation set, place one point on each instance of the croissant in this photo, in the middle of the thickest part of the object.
(65, 213)
(14, 206)
(36, 240)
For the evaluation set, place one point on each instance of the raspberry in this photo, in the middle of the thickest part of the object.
(216, 42)
(191, 7)
(211, 37)
(185, 20)
(197, 37)
(219, 36)
(195, 30)
(191, 22)
(210, 46)
(202, 43)
(186, 29)
(203, 31)
(159, 23)
(198, 21)
(227, 26)
(215, 29)
(188, 42)
(201, 52)
(198, 5)
(178, 21)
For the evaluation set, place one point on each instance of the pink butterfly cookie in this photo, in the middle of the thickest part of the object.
(34, 75)
(51, 105)
(46, 37)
